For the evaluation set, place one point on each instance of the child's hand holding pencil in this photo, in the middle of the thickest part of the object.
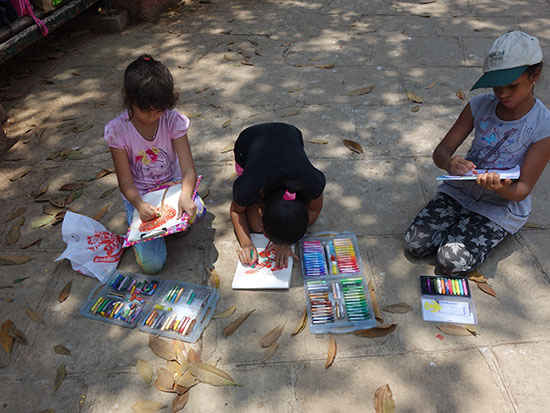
(248, 255)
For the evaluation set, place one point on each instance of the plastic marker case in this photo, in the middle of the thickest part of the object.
(337, 295)
(447, 300)
(169, 308)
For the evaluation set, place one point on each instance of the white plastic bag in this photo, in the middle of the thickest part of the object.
(92, 249)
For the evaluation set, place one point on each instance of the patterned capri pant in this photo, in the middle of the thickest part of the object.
(460, 238)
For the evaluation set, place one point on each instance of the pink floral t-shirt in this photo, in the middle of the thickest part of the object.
(152, 162)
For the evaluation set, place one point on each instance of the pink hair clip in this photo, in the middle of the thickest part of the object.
(146, 59)
(289, 196)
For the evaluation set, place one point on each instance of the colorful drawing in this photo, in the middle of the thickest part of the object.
(266, 259)
(166, 215)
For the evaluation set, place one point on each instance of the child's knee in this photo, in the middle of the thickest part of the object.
(454, 258)
(416, 245)
(151, 261)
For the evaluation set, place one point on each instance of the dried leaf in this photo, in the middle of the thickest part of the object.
(378, 331)
(57, 202)
(331, 351)
(286, 113)
(72, 186)
(486, 288)
(20, 280)
(73, 196)
(226, 313)
(228, 148)
(31, 244)
(179, 402)
(99, 214)
(374, 302)
(13, 259)
(301, 325)
(107, 193)
(414, 98)
(327, 66)
(60, 376)
(41, 191)
(353, 146)
(226, 123)
(20, 174)
(42, 221)
(415, 108)
(206, 373)
(165, 380)
(163, 348)
(49, 209)
(17, 335)
(271, 350)
(532, 225)
(14, 214)
(5, 338)
(147, 406)
(103, 172)
(193, 356)
(460, 94)
(14, 232)
(247, 63)
(318, 141)
(457, 330)
(186, 379)
(214, 279)
(61, 349)
(362, 91)
(272, 336)
(477, 277)
(399, 308)
(431, 85)
(64, 294)
(76, 155)
(33, 315)
(234, 325)
(383, 400)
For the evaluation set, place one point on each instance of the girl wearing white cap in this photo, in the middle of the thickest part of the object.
(466, 219)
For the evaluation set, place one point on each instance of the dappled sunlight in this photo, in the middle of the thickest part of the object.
(307, 63)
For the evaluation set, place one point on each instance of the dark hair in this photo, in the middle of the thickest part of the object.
(535, 69)
(148, 85)
(285, 222)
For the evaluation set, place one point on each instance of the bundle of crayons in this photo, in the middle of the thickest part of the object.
(355, 299)
(129, 283)
(161, 320)
(314, 259)
(175, 293)
(321, 307)
(445, 286)
(346, 258)
(114, 308)
(336, 256)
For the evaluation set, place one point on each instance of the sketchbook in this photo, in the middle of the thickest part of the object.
(264, 274)
(166, 200)
(512, 173)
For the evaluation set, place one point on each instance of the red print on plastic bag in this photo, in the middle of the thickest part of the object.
(110, 243)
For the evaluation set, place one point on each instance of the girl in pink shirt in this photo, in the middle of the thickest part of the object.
(149, 147)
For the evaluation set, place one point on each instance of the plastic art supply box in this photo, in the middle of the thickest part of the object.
(447, 300)
(336, 292)
(173, 309)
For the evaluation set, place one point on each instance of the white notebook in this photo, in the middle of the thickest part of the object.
(262, 275)
(512, 173)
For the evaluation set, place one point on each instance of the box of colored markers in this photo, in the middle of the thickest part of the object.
(336, 292)
(173, 309)
(447, 300)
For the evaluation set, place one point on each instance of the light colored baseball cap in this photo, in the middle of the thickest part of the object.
(510, 55)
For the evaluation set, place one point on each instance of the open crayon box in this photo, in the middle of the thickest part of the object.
(336, 291)
(447, 300)
(169, 308)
